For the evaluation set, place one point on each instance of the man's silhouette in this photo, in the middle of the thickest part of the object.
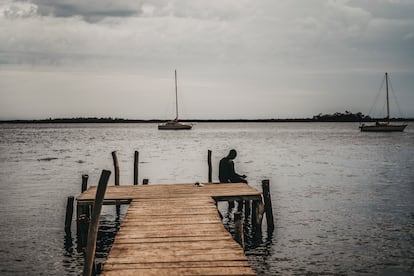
(227, 174)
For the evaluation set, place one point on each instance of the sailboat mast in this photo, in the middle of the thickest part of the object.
(176, 97)
(388, 103)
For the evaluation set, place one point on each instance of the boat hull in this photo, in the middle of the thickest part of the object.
(383, 128)
(174, 126)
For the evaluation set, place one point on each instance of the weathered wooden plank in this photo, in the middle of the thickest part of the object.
(183, 271)
(179, 245)
(131, 239)
(114, 266)
(167, 258)
(173, 191)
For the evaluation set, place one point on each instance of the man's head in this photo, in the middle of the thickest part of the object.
(232, 154)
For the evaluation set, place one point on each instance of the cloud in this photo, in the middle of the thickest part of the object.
(11, 10)
(120, 34)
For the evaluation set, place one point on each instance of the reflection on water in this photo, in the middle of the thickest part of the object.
(109, 225)
(342, 200)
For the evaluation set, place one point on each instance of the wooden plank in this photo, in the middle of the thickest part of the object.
(178, 245)
(183, 271)
(167, 258)
(114, 266)
(131, 239)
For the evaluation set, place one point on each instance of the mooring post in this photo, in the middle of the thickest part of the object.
(93, 226)
(84, 182)
(238, 229)
(268, 205)
(69, 214)
(210, 170)
(116, 168)
(136, 162)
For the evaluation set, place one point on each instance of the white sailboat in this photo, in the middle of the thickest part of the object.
(385, 126)
(175, 124)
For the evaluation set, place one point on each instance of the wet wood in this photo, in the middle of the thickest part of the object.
(210, 170)
(93, 226)
(84, 182)
(238, 229)
(175, 230)
(116, 168)
(136, 162)
(69, 214)
(268, 205)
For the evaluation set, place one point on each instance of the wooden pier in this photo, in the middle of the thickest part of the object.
(175, 229)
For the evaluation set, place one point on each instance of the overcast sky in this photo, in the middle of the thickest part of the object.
(235, 58)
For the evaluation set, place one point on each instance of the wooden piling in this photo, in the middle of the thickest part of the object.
(84, 182)
(257, 214)
(247, 208)
(210, 170)
(268, 205)
(93, 226)
(238, 229)
(82, 234)
(82, 216)
(254, 213)
(116, 168)
(136, 162)
(69, 214)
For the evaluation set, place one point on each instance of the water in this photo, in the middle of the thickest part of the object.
(342, 200)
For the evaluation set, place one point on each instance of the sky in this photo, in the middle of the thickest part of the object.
(235, 59)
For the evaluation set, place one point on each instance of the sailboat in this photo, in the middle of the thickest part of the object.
(384, 126)
(175, 124)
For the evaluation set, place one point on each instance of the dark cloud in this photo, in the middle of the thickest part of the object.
(90, 10)
(402, 9)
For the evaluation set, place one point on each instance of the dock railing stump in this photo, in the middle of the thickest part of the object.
(84, 182)
(116, 168)
(268, 205)
(136, 162)
(94, 225)
(238, 229)
(82, 217)
(210, 170)
(69, 214)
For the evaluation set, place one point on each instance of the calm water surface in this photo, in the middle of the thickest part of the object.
(342, 200)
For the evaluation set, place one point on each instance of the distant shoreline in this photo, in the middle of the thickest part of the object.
(117, 120)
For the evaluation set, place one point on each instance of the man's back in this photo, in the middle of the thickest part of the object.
(226, 170)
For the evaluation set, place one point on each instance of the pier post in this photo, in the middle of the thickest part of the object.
(257, 214)
(69, 214)
(247, 208)
(82, 234)
(238, 229)
(136, 162)
(268, 205)
(82, 215)
(116, 168)
(210, 175)
(93, 226)
(84, 182)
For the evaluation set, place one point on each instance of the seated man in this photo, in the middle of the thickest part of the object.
(227, 174)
